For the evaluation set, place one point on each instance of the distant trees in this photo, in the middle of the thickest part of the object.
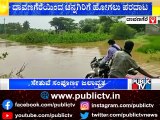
(107, 22)
(14, 28)
(101, 25)
(89, 25)
(122, 31)
(104, 24)
(1, 28)
(63, 24)
(26, 25)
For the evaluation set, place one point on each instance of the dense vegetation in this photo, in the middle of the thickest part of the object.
(122, 31)
(152, 45)
(65, 30)
(42, 37)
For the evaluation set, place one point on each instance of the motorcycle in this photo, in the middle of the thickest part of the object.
(102, 70)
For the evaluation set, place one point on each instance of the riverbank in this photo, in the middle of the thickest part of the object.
(152, 45)
(48, 38)
(149, 45)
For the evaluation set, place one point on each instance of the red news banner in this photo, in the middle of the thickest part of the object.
(75, 105)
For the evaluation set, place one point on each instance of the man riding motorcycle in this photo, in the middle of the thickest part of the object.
(122, 62)
(112, 49)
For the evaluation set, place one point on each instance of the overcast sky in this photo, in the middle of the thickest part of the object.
(39, 22)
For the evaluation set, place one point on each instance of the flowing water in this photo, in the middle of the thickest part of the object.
(71, 61)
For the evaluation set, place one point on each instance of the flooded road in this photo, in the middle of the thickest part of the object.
(59, 61)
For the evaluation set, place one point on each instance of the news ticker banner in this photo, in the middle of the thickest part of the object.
(6, 7)
(74, 8)
(80, 84)
(77, 8)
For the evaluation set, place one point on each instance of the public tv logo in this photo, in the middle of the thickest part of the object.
(84, 105)
(141, 84)
(7, 115)
(152, 20)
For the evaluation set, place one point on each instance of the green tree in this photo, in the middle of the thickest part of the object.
(122, 31)
(88, 25)
(26, 25)
(69, 24)
(56, 23)
(107, 22)
(14, 28)
(61, 23)
(1, 28)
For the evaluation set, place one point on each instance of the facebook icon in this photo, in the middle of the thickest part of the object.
(7, 104)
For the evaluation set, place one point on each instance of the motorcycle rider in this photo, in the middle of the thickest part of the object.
(122, 62)
(112, 49)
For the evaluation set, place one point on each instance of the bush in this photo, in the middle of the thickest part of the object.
(76, 37)
(122, 31)
(45, 37)
(29, 37)
(3, 36)
(153, 45)
(34, 37)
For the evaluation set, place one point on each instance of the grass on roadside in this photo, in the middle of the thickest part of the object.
(152, 44)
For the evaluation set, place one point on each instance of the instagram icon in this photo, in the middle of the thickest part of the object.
(84, 105)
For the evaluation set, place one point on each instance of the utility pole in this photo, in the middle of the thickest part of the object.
(4, 27)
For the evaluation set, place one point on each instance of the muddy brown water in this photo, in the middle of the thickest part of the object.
(60, 60)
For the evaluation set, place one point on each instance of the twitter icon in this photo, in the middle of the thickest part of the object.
(84, 115)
